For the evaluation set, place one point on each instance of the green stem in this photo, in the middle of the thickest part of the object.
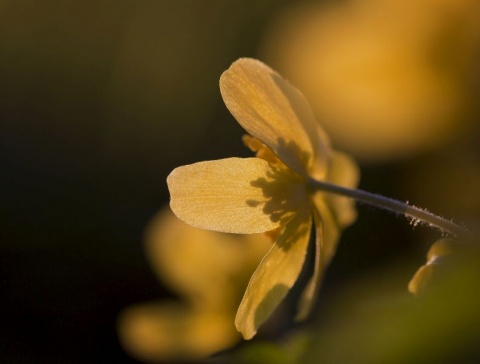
(417, 215)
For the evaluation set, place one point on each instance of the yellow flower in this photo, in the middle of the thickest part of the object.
(269, 193)
(209, 271)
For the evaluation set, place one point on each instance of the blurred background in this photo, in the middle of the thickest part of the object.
(100, 100)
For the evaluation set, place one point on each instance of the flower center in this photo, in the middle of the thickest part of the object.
(260, 150)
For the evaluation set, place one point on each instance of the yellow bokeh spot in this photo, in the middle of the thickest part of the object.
(386, 78)
(209, 272)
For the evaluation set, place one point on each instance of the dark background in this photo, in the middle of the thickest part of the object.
(99, 101)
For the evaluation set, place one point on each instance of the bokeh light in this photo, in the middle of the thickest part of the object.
(387, 78)
(209, 271)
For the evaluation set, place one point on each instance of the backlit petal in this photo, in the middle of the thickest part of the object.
(332, 213)
(276, 274)
(343, 171)
(276, 113)
(327, 234)
(328, 226)
(235, 195)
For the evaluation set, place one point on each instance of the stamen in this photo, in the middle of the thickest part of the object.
(260, 149)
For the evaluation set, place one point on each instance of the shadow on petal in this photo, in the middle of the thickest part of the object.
(284, 191)
(316, 164)
(276, 274)
(274, 295)
(284, 194)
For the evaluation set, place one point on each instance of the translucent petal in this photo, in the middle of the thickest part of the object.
(235, 195)
(332, 213)
(343, 171)
(276, 274)
(277, 114)
(327, 233)
(328, 227)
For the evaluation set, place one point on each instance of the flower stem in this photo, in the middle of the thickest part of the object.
(417, 215)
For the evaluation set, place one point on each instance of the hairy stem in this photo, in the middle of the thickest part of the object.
(417, 215)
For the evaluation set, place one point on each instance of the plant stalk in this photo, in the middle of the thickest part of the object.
(416, 214)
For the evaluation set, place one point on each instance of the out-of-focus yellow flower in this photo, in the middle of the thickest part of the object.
(388, 78)
(426, 273)
(209, 271)
(269, 193)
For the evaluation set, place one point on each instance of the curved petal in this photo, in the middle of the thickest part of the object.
(328, 229)
(332, 213)
(343, 171)
(275, 275)
(235, 195)
(277, 114)
(327, 233)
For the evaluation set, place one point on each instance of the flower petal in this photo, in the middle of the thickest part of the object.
(275, 275)
(327, 234)
(277, 114)
(343, 171)
(332, 213)
(235, 195)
